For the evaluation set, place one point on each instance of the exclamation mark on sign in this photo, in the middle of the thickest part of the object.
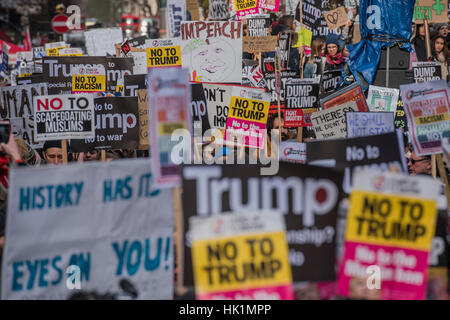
(166, 255)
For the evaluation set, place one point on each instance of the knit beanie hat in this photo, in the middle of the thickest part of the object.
(332, 38)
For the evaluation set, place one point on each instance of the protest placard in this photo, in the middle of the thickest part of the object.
(89, 80)
(66, 52)
(271, 5)
(259, 44)
(382, 99)
(331, 123)
(307, 196)
(292, 151)
(101, 41)
(313, 18)
(163, 53)
(24, 128)
(212, 50)
(426, 71)
(336, 18)
(58, 71)
(17, 101)
(116, 125)
(350, 95)
(301, 99)
(193, 7)
(431, 10)
(39, 53)
(176, 13)
(362, 124)
(219, 10)
(253, 76)
(400, 121)
(52, 48)
(76, 235)
(250, 247)
(132, 83)
(245, 8)
(143, 119)
(427, 106)
(355, 154)
(218, 99)
(258, 26)
(169, 102)
(69, 116)
(330, 80)
(199, 110)
(247, 117)
(117, 69)
(284, 43)
(390, 226)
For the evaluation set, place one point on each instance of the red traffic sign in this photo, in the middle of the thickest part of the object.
(59, 23)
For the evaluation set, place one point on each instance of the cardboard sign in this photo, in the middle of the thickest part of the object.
(212, 50)
(77, 238)
(219, 10)
(331, 123)
(382, 99)
(362, 124)
(176, 13)
(401, 211)
(24, 128)
(132, 83)
(336, 18)
(307, 196)
(353, 94)
(427, 106)
(116, 125)
(271, 5)
(260, 44)
(381, 152)
(218, 99)
(193, 8)
(426, 71)
(17, 101)
(163, 53)
(247, 117)
(258, 26)
(246, 7)
(144, 141)
(244, 241)
(330, 80)
(64, 117)
(169, 102)
(89, 80)
(432, 10)
(101, 41)
(302, 98)
(292, 151)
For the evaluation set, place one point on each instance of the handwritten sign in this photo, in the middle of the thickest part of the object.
(434, 11)
(336, 18)
(362, 124)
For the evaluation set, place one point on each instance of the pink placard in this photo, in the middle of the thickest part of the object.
(268, 293)
(253, 132)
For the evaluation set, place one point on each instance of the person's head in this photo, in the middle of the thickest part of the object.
(440, 45)
(419, 164)
(92, 155)
(332, 42)
(288, 21)
(27, 153)
(276, 123)
(317, 47)
(421, 30)
(441, 29)
(52, 152)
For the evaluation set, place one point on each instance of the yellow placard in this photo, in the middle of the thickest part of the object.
(246, 261)
(304, 38)
(391, 220)
(431, 119)
(54, 52)
(168, 128)
(89, 83)
(163, 57)
(25, 75)
(248, 109)
(245, 4)
(71, 55)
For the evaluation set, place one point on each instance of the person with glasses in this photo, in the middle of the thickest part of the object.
(52, 152)
(419, 165)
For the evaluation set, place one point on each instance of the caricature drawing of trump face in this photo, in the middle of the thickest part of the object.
(214, 61)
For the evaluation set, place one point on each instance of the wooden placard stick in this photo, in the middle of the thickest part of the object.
(64, 150)
(443, 174)
(103, 155)
(433, 165)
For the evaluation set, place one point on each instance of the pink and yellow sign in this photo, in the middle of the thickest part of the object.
(247, 117)
(241, 256)
(246, 8)
(390, 227)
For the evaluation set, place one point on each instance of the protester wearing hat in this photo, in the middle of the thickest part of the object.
(52, 152)
(334, 57)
